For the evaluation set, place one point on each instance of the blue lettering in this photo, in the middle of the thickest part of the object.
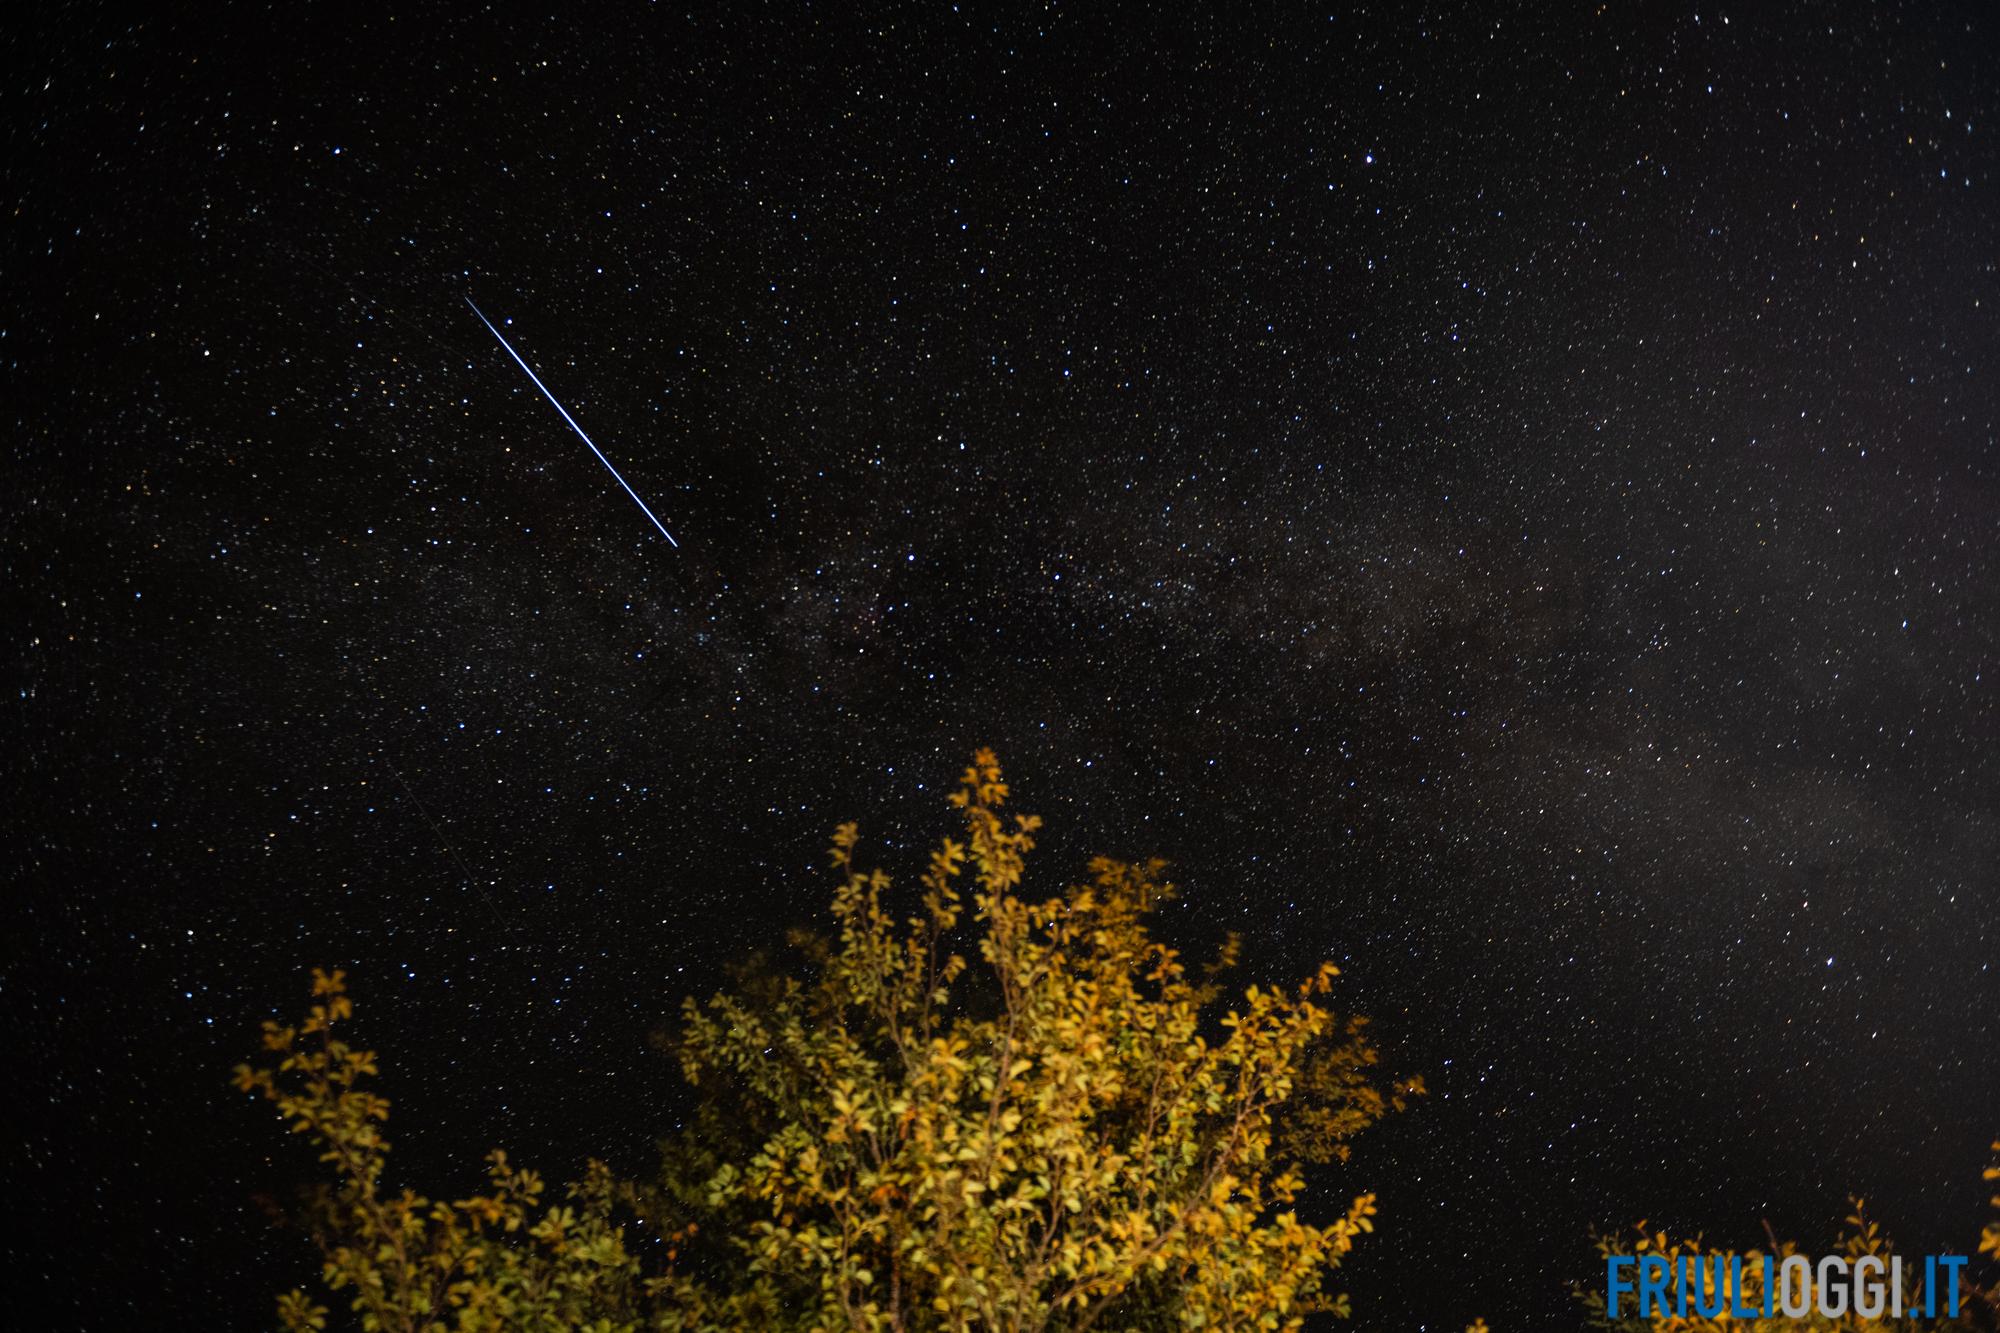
(1612, 1283)
(1952, 1263)
(1652, 1285)
(1708, 1294)
(1736, 1305)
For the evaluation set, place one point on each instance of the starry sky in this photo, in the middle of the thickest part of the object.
(1505, 498)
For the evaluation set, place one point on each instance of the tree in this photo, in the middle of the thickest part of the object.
(1755, 1269)
(494, 1261)
(1054, 1132)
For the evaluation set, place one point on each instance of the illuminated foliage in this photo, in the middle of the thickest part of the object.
(1053, 1129)
(499, 1260)
(1861, 1238)
(1989, 1243)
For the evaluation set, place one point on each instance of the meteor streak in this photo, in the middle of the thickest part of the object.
(572, 423)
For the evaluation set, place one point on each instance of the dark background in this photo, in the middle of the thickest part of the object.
(1505, 498)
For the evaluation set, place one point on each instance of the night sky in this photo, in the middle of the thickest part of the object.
(1508, 500)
